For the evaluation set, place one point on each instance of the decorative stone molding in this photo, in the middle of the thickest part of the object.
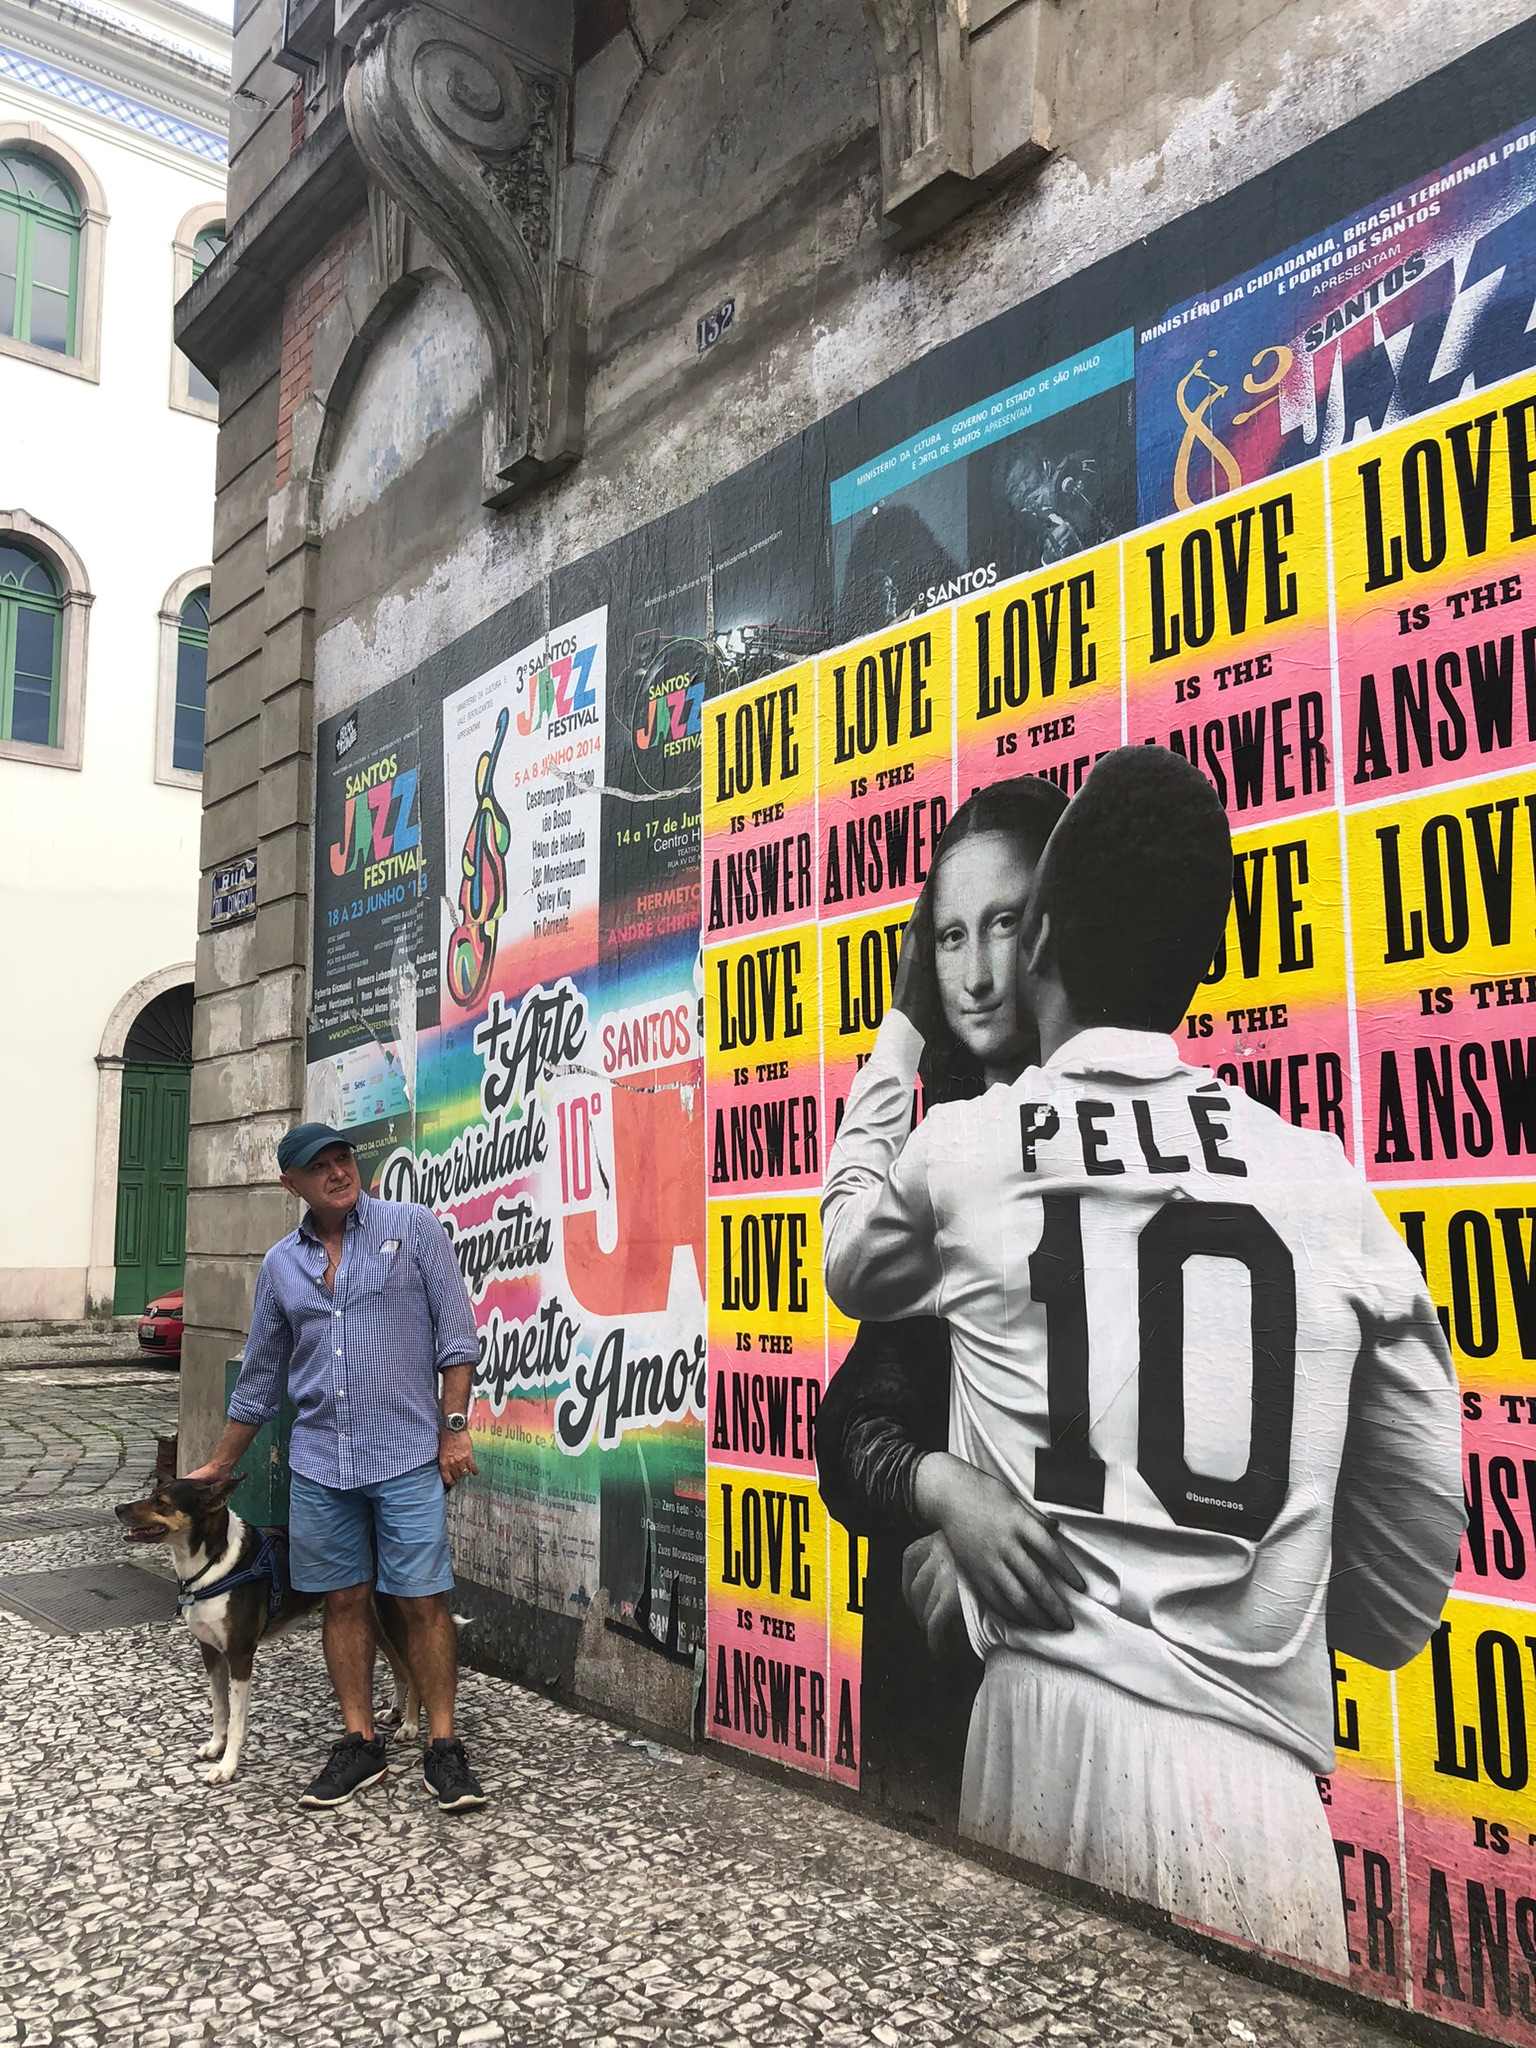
(386, 239)
(470, 142)
(965, 91)
(77, 597)
(922, 52)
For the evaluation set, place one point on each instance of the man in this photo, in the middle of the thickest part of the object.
(1192, 1355)
(363, 1313)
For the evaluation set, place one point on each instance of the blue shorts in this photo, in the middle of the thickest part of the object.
(393, 1534)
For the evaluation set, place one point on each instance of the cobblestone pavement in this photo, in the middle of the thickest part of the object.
(69, 1432)
(615, 1892)
(70, 1344)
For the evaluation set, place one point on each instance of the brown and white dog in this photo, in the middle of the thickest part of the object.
(209, 1545)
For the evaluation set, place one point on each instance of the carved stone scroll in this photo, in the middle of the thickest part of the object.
(469, 140)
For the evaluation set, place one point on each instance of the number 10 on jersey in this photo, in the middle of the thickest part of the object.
(1068, 1472)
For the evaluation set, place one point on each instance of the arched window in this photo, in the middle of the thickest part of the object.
(31, 634)
(204, 249)
(53, 227)
(45, 610)
(39, 253)
(183, 690)
(198, 241)
(191, 684)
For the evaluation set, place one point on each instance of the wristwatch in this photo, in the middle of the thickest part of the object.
(455, 1423)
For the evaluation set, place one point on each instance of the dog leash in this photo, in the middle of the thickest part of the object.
(265, 1565)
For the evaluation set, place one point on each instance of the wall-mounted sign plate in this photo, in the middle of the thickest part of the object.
(714, 325)
(233, 892)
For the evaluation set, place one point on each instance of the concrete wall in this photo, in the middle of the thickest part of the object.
(262, 116)
(763, 127)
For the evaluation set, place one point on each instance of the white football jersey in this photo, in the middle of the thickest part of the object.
(1185, 1329)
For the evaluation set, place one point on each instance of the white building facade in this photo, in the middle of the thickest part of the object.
(113, 146)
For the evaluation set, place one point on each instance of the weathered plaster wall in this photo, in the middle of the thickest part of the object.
(727, 152)
(749, 165)
(426, 374)
(393, 490)
(261, 114)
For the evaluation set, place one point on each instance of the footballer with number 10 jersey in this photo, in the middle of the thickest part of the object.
(1184, 1329)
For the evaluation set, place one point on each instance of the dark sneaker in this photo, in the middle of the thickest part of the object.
(352, 1764)
(445, 1773)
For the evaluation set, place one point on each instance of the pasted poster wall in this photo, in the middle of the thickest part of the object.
(1370, 985)
(370, 970)
(572, 1206)
(674, 811)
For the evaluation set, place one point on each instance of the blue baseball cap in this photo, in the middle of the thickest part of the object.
(300, 1146)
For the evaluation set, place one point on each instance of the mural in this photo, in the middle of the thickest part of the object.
(986, 1415)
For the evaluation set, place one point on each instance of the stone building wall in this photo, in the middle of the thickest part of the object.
(713, 150)
(469, 433)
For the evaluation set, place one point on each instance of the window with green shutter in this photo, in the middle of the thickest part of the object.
(31, 614)
(204, 249)
(39, 253)
(191, 683)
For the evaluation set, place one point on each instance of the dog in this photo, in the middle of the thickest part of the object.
(210, 1547)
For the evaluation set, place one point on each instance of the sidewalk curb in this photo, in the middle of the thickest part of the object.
(137, 1362)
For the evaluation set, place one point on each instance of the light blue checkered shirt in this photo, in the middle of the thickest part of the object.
(361, 1363)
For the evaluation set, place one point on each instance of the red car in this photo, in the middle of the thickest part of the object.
(160, 1326)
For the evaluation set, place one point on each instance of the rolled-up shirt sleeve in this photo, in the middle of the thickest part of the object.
(879, 1247)
(454, 1334)
(258, 1391)
(877, 1120)
(1399, 1511)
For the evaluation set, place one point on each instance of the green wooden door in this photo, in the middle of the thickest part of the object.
(151, 1185)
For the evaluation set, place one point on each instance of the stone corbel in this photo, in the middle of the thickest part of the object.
(965, 90)
(469, 141)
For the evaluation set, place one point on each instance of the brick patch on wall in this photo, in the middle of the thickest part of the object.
(309, 298)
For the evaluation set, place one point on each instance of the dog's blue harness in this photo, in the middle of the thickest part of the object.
(270, 1564)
